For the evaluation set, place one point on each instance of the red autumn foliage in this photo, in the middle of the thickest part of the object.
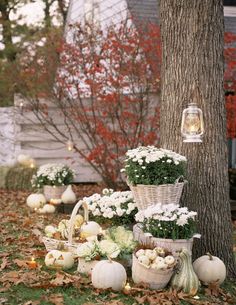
(230, 83)
(106, 92)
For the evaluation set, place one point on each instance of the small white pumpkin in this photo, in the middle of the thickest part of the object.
(144, 260)
(24, 159)
(90, 228)
(68, 196)
(150, 254)
(50, 230)
(108, 274)
(140, 252)
(210, 269)
(161, 266)
(55, 201)
(35, 201)
(169, 260)
(158, 260)
(47, 209)
(59, 259)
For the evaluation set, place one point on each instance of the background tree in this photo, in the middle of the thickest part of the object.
(192, 34)
(106, 91)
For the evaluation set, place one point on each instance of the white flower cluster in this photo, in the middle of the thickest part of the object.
(111, 203)
(150, 154)
(168, 212)
(55, 173)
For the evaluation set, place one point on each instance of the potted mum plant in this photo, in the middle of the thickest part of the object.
(53, 178)
(155, 175)
(112, 208)
(169, 226)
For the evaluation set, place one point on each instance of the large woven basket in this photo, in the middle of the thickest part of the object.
(70, 244)
(156, 279)
(173, 245)
(146, 195)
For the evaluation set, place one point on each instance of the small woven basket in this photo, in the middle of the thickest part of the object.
(156, 279)
(146, 195)
(70, 244)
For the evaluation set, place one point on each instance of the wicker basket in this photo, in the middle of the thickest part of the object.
(146, 195)
(53, 192)
(156, 279)
(70, 244)
(169, 244)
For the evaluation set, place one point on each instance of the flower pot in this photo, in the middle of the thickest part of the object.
(146, 195)
(53, 192)
(86, 267)
(173, 245)
(156, 279)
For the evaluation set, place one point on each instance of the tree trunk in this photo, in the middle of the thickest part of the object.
(9, 51)
(192, 34)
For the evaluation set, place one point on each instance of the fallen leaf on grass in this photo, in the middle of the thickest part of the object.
(61, 280)
(56, 299)
(21, 263)
(4, 263)
(38, 234)
(3, 300)
(32, 303)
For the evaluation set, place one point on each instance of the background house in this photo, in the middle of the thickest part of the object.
(19, 135)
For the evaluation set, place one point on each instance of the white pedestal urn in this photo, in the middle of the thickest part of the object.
(53, 192)
(86, 267)
(173, 245)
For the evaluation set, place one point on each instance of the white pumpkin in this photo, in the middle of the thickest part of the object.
(47, 209)
(169, 260)
(158, 260)
(68, 196)
(24, 159)
(151, 254)
(144, 260)
(59, 259)
(140, 252)
(108, 274)
(55, 201)
(50, 230)
(210, 269)
(35, 201)
(90, 228)
(161, 266)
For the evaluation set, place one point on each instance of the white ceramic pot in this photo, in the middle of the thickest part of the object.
(53, 192)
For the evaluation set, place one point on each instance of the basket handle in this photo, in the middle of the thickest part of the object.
(180, 177)
(73, 215)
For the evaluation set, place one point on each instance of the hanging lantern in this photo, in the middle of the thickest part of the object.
(192, 127)
(69, 145)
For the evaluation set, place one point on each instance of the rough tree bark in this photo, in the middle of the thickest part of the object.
(192, 53)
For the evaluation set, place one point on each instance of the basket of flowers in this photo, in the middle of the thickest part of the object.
(53, 178)
(116, 208)
(153, 266)
(169, 226)
(71, 232)
(117, 243)
(154, 175)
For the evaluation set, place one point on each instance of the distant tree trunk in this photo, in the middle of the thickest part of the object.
(47, 17)
(62, 9)
(9, 51)
(192, 34)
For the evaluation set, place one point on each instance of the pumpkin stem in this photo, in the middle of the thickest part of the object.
(210, 256)
(110, 260)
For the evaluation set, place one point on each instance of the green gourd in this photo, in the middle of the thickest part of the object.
(185, 278)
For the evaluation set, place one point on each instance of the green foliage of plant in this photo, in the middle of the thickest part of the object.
(19, 178)
(152, 166)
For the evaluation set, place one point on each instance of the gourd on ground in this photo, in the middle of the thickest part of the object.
(59, 259)
(185, 278)
(210, 269)
(35, 201)
(109, 274)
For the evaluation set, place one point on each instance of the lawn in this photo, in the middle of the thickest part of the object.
(20, 237)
